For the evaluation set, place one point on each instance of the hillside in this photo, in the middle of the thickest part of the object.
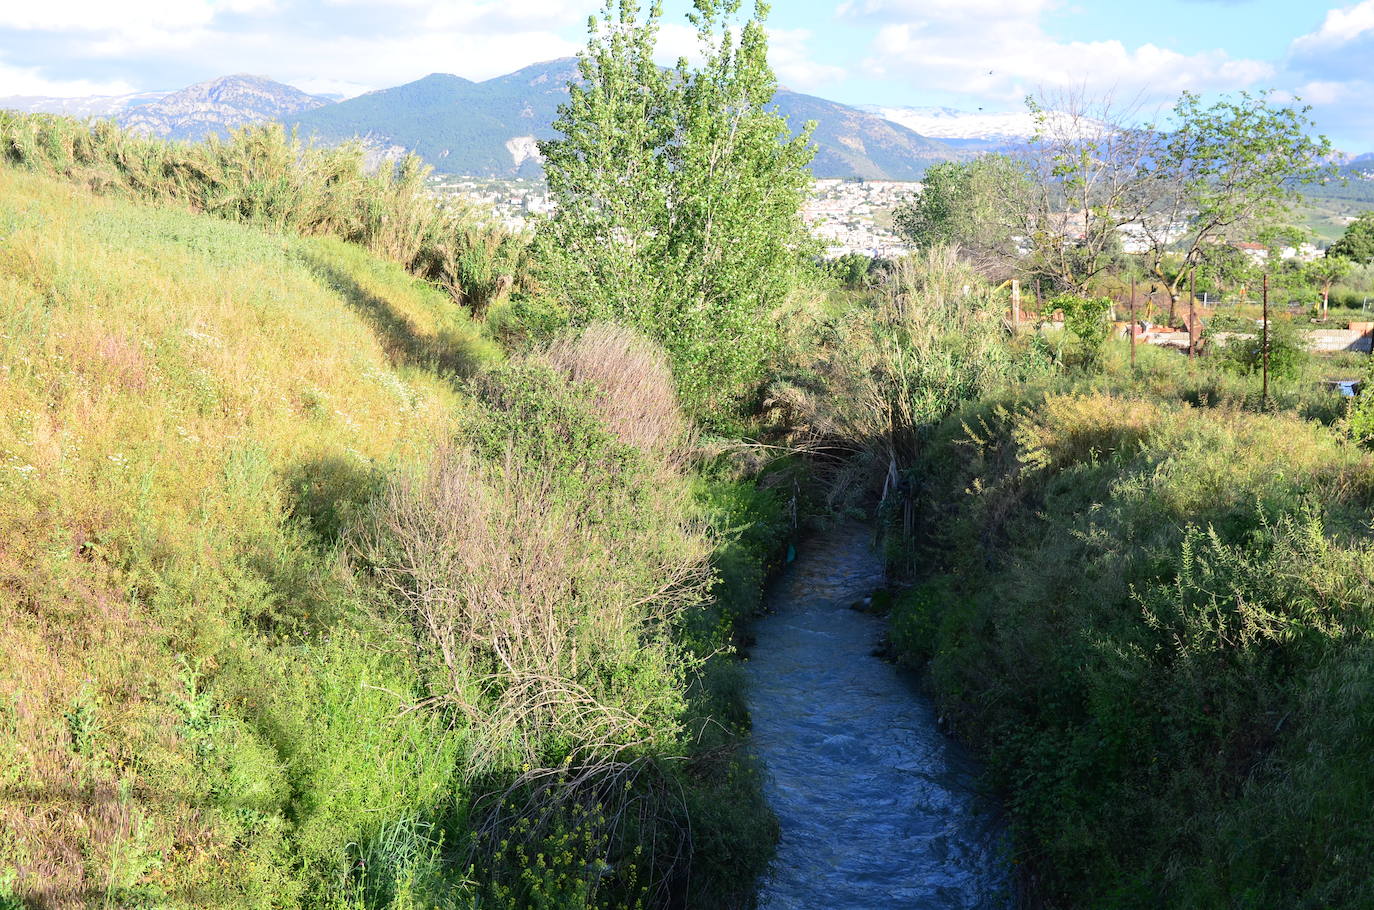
(178, 393)
(456, 125)
(490, 128)
(224, 450)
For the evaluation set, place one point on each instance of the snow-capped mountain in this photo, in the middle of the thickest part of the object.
(947, 123)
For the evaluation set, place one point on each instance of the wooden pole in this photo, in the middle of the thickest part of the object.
(1192, 312)
(1133, 324)
(1264, 346)
(1015, 305)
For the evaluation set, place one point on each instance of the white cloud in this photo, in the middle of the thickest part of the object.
(122, 16)
(1330, 69)
(999, 50)
(792, 59)
(21, 80)
(1341, 26)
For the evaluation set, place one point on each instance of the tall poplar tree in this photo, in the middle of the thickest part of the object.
(679, 195)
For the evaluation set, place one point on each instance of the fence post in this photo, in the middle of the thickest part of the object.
(1264, 347)
(1132, 329)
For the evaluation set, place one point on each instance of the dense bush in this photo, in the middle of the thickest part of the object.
(1153, 619)
(1244, 354)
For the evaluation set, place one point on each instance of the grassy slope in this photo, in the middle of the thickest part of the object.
(173, 390)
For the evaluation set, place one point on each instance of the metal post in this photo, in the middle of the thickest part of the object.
(1192, 311)
(1133, 324)
(1264, 346)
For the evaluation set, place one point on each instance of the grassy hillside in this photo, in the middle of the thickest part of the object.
(214, 445)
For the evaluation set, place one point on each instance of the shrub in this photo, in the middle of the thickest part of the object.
(1244, 355)
(1141, 611)
(1085, 318)
(634, 386)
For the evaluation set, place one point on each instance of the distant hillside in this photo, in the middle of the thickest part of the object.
(854, 143)
(217, 106)
(457, 125)
(491, 128)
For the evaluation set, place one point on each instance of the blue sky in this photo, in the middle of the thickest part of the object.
(960, 53)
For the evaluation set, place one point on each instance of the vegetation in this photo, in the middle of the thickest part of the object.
(678, 205)
(970, 205)
(1154, 618)
(359, 555)
(229, 460)
(1357, 244)
(261, 176)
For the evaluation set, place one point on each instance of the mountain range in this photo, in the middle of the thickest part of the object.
(489, 128)
(962, 129)
(493, 128)
(213, 106)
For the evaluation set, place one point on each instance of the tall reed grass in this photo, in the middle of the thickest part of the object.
(263, 176)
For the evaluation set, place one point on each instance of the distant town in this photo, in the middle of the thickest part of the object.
(849, 216)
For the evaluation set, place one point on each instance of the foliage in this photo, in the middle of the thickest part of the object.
(971, 206)
(867, 396)
(1357, 243)
(854, 271)
(1230, 171)
(1141, 611)
(1244, 354)
(1213, 175)
(1085, 318)
(678, 197)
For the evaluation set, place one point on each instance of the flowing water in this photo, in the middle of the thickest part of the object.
(878, 808)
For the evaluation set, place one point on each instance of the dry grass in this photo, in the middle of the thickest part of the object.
(526, 605)
(634, 383)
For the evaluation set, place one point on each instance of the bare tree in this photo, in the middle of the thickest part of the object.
(1086, 165)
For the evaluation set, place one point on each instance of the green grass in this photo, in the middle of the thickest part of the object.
(208, 697)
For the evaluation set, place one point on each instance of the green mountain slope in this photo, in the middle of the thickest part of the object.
(489, 128)
(457, 126)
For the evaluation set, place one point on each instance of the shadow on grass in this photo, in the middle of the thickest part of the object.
(445, 351)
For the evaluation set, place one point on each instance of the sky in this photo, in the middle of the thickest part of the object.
(967, 54)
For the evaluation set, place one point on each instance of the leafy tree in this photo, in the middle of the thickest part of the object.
(1085, 318)
(1325, 272)
(679, 195)
(1215, 175)
(1244, 354)
(970, 205)
(1085, 165)
(1224, 173)
(1357, 243)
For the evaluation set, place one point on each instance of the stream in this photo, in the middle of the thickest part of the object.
(878, 808)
